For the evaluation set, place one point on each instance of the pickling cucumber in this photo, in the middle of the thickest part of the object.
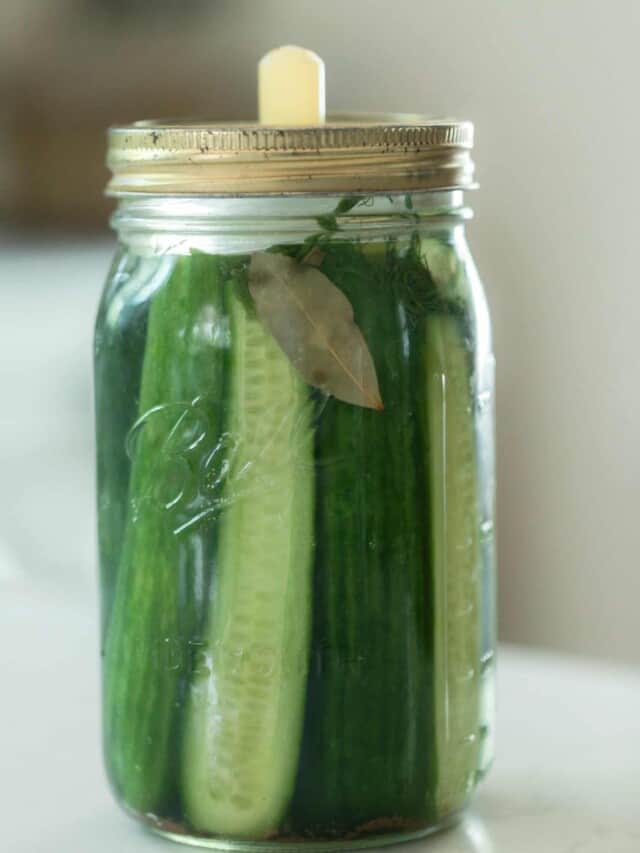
(121, 328)
(166, 560)
(245, 709)
(368, 758)
(455, 556)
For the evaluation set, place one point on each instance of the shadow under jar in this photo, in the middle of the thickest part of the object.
(294, 394)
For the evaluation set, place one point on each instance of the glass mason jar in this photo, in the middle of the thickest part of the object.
(294, 394)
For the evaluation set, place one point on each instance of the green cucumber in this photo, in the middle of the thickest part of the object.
(121, 328)
(246, 704)
(165, 561)
(455, 557)
(368, 758)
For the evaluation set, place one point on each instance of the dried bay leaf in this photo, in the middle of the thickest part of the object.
(313, 323)
(314, 257)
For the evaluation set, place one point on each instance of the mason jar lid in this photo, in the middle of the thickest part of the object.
(347, 154)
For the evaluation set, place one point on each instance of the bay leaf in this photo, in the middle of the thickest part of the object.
(314, 257)
(313, 323)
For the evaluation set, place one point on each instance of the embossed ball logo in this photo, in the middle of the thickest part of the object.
(198, 469)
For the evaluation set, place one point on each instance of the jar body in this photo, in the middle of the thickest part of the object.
(297, 590)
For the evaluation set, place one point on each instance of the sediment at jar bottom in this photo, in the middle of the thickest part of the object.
(376, 833)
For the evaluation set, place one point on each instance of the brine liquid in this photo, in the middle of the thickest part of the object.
(387, 719)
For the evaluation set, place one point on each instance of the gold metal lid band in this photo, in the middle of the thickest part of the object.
(347, 154)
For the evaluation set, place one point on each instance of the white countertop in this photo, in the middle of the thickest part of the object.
(566, 777)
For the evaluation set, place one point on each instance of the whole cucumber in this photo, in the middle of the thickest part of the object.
(166, 559)
(368, 757)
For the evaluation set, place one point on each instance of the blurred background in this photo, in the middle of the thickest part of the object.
(553, 90)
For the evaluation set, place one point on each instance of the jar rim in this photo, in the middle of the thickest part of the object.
(366, 153)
